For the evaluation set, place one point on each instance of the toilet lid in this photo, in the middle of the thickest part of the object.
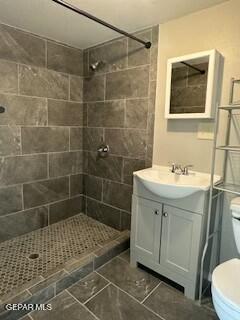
(226, 281)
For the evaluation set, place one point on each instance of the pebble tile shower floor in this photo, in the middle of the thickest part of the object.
(24, 258)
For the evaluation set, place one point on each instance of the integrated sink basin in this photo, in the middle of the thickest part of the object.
(162, 182)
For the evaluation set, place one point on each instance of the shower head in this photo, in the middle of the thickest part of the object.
(94, 66)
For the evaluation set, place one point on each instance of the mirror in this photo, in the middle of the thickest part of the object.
(193, 83)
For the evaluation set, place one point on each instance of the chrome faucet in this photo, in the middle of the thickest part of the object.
(177, 168)
(185, 169)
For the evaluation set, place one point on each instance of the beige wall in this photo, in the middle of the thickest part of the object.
(176, 140)
(219, 28)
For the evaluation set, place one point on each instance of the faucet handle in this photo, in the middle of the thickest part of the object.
(173, 167)
(185, 169)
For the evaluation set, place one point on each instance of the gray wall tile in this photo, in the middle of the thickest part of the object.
(131, 83)
(117, 194)
(30, 110)
(76, 138)
(22, 222)
(65, 209)
(93, 187)
(8, 77)
(104, 213)
(10, 199)
(136, 113)
(108, 168)
(22, 169)
(23, 47)
(106, 114)
(152, 96)
(76, 184)
(86, 68)
(125, 220)
(64, 59)
(76, 88)
(23, 110)
(43, 83)
(129, 166)
(63, 113)
(126, 142)
(154, 53)
(61, 164)
(92, 138)
(95, 114)
(113, 55)
(9, 141)
(42, 192)
(137, 53)
(93, 88)
(39, 140)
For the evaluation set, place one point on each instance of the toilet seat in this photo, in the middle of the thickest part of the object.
(226, 289)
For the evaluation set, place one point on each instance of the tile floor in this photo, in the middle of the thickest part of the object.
(118, 292)
(53, 246)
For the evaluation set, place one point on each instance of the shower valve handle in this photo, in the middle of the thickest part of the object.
(103, 150)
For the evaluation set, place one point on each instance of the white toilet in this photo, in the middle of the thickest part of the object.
(226, 276)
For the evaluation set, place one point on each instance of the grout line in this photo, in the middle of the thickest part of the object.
(151, 292)
(122, 257)
(107, 204)
(23, 205)
(44, 126)
(48, 167)
(144, 306)
(41, 180)
(46, 53)
(96, 293)
(44, 153)
(99, 73)
(43, 205)
(18, 79)
(101, 274)
(69, 88)
(69, 186)
(82, 305)
(48, 215)
(69, 139)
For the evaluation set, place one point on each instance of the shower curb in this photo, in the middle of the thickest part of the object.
(47, 288)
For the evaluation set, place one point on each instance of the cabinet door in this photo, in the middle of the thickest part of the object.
(180, 240)
(147, 225)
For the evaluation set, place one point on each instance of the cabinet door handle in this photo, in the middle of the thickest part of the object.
(156, 212)
(165, 214)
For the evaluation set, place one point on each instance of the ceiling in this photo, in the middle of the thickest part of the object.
(48, 19)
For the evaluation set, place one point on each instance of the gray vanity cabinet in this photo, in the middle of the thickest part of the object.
(167, 240)
(180, 241)
(148, 228)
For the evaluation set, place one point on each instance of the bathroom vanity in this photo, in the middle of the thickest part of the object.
(167, 232)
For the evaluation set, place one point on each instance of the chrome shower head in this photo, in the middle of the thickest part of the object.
(94, 66)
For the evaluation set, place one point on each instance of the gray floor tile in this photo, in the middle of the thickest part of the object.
(64, 307)
(89, 286)
(26, 318)
(172, 305)
(113, 304)
(125, 255)
(134, 281)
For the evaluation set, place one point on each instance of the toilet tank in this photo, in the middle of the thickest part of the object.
(235, 210)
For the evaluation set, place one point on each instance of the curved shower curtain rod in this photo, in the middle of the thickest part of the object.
(63, 3)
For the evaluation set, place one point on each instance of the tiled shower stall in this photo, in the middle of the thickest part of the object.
(57, 113)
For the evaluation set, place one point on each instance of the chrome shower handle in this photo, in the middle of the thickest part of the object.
(103, 150)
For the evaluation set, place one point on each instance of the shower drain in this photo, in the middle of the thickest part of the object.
(33, 256)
